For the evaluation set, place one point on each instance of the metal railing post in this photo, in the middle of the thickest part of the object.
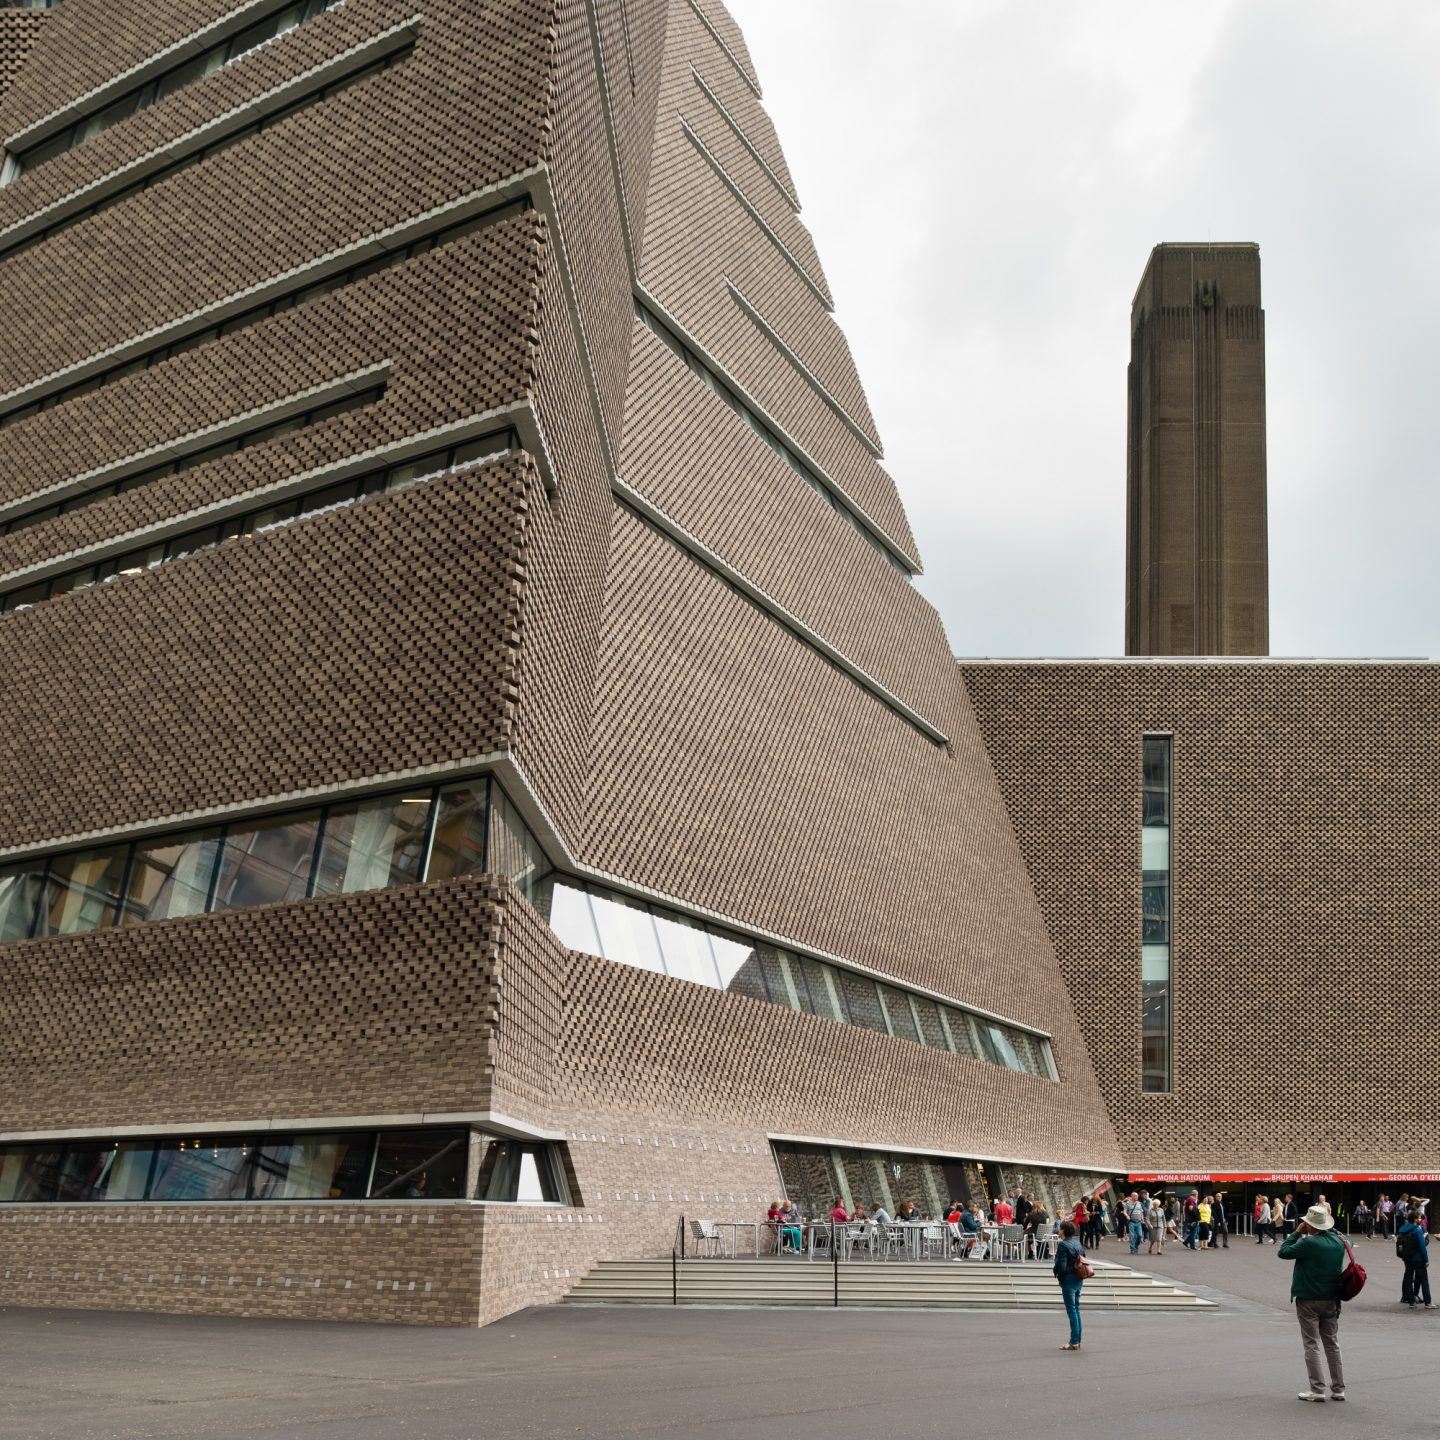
(835, 1262)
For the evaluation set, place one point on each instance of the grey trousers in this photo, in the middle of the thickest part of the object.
(1320, 1325)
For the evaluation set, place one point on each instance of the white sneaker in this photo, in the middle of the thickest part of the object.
(1311, 1396)
(1340, 1396)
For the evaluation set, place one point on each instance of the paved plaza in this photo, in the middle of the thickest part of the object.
(725, 1374)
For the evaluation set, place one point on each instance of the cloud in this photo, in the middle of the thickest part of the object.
(985, 181)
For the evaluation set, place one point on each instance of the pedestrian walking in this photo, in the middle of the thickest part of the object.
(1413, 1248)
(1262, 1219)
(1192, 1220)
(1277, 1220)
(1071, 1269)
(1319, 1255)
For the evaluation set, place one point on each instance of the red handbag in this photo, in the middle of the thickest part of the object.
(1352, 1277)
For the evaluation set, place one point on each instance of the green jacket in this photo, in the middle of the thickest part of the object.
(1319, 1259)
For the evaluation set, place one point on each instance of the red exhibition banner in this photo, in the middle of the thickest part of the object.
(1291, 1177)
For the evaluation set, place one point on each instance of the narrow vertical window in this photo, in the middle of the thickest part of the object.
(1155, 1069)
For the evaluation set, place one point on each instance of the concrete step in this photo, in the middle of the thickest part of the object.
(918, 1284)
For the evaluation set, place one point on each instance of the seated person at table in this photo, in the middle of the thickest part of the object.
(789, 1226)
(837, 1212)
(973, 1220)
(881, 1216)
(952, 1215)
(909, 1215)
(858, 1213)
(773, 1213)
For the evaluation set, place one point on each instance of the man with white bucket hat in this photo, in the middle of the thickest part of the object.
(1319, 1255)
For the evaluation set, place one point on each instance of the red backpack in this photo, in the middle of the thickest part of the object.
(1352, 1277)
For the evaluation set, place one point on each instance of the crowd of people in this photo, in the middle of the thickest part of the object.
(1196, 1221)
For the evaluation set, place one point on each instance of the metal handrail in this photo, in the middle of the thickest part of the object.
(677, 1254)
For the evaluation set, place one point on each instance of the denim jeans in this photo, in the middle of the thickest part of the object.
(1070, 1293)
(1416, 1284)
(1137, 1234)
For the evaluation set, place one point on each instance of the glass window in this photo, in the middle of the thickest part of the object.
(313, 1167)
(459, 846)
(373, 843)
(898, 1014)
(514, 851)
(739, 966)
(201, 1170)
(627, 933)
(420, 1165)
(1156, 777)
(267, 861)
(958, 1033)
(82, 892)
(1156, 918)
(20, 887)
(783, 978)
(1004, 1046)
(171, 877)
(566, 909)
(29, 1172)
(824, 987)
(927, 1021)
(862, 1001)
(524, 1172)
(685, 945)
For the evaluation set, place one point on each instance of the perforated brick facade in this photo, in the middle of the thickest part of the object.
(1305, 898)
(734, 702)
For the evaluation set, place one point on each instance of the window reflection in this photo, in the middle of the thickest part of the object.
(82, 892)
(459, 846)
(267, 861)
(19, 897)
(171, 877)
(373, 843)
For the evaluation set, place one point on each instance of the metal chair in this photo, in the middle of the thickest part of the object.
(706, 1235)
(934, 1238)
(1012, 1238)
(1045, 1242)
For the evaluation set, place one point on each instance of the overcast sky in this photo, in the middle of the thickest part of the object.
(985, 179)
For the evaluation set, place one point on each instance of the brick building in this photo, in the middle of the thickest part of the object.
(476, 778)
(1197, 572)
(445, 542)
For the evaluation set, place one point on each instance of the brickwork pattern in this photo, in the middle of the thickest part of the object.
(726, 486)
(686, 199)
(440, 372)
(1305, 898)
(410, 1264)
(330, 650)
(18, 31)
(425, 130)
(750, 733)
(369, 1004)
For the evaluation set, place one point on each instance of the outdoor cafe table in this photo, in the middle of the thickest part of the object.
(735, 1227)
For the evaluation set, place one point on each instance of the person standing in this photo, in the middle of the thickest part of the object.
(1277, 1219)
(1155, 1223)
(1068, 1253)
(1365, 1219)
(1262, 1218)
(1220, 1221)
(1134, 1222)
(1319, 1256)
(1385, 1210)
(1413, 1248)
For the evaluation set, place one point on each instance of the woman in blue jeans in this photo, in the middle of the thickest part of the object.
(1067, 1252)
